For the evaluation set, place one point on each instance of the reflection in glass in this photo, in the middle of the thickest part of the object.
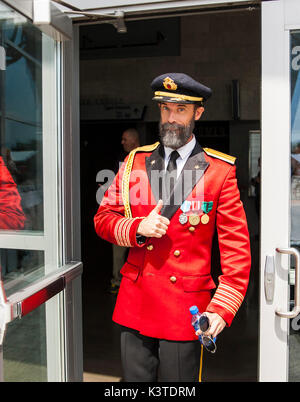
(24, 348)
(21, 119)
(294, 334)
(11, 212)
(19, 268)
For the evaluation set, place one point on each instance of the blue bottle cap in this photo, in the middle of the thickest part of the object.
(194, 310)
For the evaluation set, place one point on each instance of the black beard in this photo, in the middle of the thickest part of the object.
(175, 135)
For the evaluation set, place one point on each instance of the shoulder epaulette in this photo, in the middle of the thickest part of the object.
(146, 148)
(220, 155)
(126, 175)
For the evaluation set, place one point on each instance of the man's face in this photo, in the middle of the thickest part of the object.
(177, 122)
(127, 141)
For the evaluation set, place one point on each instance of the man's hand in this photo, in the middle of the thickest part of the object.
(217, 324)
(154, 225)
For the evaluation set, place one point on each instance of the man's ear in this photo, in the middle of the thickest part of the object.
(198, 112)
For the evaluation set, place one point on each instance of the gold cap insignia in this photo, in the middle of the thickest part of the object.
(169, 84)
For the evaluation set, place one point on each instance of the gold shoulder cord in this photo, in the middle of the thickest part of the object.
(126, 176)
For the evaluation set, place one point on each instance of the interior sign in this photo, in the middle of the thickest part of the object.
(2, 58)
(296, 59)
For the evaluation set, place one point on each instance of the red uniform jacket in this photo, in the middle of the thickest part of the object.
(165, 276)
(11, 213)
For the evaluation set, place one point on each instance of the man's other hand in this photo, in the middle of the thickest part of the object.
(217, 324)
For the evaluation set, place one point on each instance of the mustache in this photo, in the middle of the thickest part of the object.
(174, 135)
(172, 127)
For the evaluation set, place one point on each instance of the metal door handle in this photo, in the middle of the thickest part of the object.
(296, 310)
(35, 294)
(269, 277)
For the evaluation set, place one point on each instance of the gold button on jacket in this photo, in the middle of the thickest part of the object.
(177, 253)
(173, 279)
(150, 247)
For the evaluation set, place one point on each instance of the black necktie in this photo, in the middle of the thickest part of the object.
(172, 170)
(172, 162)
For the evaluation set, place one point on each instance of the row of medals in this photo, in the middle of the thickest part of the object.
(193, 219)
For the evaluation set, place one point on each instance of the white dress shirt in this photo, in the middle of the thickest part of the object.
(184, 153)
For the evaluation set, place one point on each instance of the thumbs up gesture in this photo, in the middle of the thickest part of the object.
(154, 225)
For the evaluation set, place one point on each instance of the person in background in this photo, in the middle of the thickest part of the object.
(130, 140)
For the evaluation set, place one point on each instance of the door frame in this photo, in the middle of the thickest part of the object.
(44, 14)
(278, 18)
(71, 204)
(61, 238)
(158, 9)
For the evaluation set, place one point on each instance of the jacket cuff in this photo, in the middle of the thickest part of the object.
(226, 302)
(125, 232)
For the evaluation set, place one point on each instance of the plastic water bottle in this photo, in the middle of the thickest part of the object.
(195, 319)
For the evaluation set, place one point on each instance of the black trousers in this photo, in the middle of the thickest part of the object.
(146, 359)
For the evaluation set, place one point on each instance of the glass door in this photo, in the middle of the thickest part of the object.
(38, 278)
(280, 201)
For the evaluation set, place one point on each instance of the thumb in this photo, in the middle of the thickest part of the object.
(158, 207)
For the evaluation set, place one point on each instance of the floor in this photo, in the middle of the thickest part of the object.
(101, 347)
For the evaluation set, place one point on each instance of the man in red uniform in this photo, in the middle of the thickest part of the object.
(165, 203)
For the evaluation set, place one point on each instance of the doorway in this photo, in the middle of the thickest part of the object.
(222, 50)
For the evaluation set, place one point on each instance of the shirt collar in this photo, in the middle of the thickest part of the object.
(183, 151)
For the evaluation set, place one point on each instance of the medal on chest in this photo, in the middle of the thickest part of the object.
(194, 219)
(206, 208)
(185, 207)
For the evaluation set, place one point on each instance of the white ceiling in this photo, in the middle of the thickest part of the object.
(90, 5)
(110, 8)
(101, 4)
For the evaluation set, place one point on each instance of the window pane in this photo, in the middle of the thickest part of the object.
(24, 348)
(21, 163)
(19, 268)
(27, 170)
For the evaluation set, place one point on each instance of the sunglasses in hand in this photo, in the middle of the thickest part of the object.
(207, 341)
